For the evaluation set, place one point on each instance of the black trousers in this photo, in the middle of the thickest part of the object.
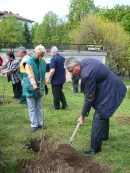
(100, 130)
(58, 96)
(17, 89)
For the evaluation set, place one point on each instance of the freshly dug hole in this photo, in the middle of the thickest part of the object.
(64, 159)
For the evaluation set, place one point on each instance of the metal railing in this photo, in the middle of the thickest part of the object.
(61, 46)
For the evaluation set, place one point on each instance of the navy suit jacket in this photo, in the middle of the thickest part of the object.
(103, 89)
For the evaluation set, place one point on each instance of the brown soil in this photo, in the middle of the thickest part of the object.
(64, 159)
(123, 120)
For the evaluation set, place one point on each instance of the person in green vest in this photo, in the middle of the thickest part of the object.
(33, 86)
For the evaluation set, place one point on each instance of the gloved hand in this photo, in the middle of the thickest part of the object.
(46, 89)
(38, 92)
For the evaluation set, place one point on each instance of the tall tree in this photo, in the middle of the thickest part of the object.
(11, 30)
(51, 30)
(27, 35)
(111, 64)
(33, 29)
(119, 14)
(46, 28)
(77, 9)
(94, 30)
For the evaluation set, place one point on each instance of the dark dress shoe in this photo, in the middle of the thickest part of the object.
(42, 127)
(92, 150)
(64, 107)
(33, 129)
(105, 139)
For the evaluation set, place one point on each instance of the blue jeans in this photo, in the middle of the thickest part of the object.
(35, 111)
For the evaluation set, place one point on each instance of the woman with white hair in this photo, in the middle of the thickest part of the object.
(33, 86)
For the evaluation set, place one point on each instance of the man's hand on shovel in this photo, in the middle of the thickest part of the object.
(80, 122)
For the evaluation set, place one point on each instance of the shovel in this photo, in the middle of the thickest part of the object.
(74, 133)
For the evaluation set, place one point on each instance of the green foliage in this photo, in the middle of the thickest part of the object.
(111, 64)
(51, 30)
(128, 93)
(15, 130)
(119, 13)
(94, 29)
(77, 9)
(33, 29)
(27, 35)
(11, 30)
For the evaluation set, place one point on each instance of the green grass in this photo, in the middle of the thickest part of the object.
(15, 130)
(126, 82)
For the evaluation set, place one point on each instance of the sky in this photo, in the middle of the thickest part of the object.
(36, 9)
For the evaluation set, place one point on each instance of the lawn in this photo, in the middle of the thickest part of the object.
(15, 129)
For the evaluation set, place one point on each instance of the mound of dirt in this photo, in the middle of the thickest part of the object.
(64, 159)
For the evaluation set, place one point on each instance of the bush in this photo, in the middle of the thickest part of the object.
(128, 93)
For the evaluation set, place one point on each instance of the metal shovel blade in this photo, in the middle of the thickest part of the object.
(74, 133)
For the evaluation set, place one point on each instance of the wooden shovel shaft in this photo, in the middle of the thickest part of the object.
(74, 133)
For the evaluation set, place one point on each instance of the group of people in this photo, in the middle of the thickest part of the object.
(103, 90)
(29, 82)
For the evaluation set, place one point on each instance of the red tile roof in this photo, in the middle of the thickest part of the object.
(5, 14)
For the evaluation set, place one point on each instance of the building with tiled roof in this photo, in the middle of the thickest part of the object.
(5, 14)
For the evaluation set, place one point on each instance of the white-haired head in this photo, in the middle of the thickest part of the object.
(39, 51)
(40, 48)
(54, 49)
(22, 49)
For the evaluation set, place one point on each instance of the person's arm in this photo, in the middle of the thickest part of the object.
(52, 69)
(89, 92)
(14, 67)
(51, 73)
(4, 67)
(89, 98)
(31, 76)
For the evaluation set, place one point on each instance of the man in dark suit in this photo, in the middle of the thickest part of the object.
(104, 91)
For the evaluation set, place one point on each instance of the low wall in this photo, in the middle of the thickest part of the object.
(101, 56)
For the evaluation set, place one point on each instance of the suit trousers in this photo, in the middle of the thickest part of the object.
(58, 96)
(100, 130)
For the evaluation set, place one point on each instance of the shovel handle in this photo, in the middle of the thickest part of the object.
(74, 133)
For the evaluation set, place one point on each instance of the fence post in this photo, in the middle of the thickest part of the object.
(79, 47)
